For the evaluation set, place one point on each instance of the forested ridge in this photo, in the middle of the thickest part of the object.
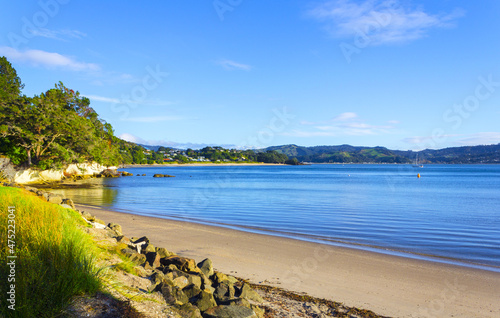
(54, 128)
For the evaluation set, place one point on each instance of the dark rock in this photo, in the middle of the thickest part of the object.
(138, 258)
(69, 202)
(183, 263)
(159, 175)
(173, 295)
(153, 259)
(163, 252)
(192, 291)
(126, 174)
(116, 228)
(236, 302)
(189, 311)
(156, 279)
(206, 267)
(205, 301)
(221, 293)
(229, 312)
(123, 239)
(220, 278)
(148, 248)
(140, 240)
(108, 173)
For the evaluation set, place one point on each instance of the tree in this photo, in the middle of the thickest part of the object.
(10, 83)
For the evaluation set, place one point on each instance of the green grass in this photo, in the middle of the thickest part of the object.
(54, 256)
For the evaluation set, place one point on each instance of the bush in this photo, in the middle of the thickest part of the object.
(54, 256)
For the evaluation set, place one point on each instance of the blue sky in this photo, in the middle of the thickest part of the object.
(400, 74)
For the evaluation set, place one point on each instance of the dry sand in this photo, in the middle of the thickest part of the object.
(388, 285)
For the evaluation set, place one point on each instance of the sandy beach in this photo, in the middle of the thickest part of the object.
(388, 285)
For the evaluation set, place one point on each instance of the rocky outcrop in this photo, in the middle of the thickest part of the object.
(7, 170)
(158, 175)
(73, 170)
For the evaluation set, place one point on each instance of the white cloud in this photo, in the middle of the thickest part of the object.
(380, 21)
(232, 65)
(345, 116)
(103, 99)
(47, 59)
(112, 100)
(58, 34)
(131, 138)
(344, 124)
(482, 138)
(152, 119)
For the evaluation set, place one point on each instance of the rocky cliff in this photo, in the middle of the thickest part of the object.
(26, 176)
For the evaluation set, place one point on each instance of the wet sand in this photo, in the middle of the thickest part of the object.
(386, 284)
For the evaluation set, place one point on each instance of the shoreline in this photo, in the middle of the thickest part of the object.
(387, 284)
(125, 166)
(310, 239)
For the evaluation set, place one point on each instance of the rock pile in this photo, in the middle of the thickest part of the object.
(195, 289)
(158, 175)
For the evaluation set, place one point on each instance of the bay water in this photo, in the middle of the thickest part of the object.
(451, 213)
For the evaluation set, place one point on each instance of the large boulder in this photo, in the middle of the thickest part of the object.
(189, 311)
(229, 312)
(206, 267)
(53, 198)
(182, 263)
(248, 293)
(108, 173)
(205, 301)
(163, 252)
(173, 295)
(116, 228)
(69, 202)
(152, 260)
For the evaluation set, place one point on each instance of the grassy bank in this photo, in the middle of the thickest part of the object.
(46, 257)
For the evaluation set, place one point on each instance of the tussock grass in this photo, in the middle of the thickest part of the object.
(54, 256)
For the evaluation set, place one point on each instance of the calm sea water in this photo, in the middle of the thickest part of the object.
(452, 212)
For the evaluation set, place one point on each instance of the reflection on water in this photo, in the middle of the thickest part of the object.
(91, 191)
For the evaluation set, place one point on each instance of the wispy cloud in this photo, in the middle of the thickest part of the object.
(481, 138)
(113, 100)
(232, 65)
(103, 99)
(152, 119)
(61, 35)
(47, 59)
(382, 21)
(344, 124)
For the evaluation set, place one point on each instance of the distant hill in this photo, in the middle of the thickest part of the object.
(352, 154)
(457, 155)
